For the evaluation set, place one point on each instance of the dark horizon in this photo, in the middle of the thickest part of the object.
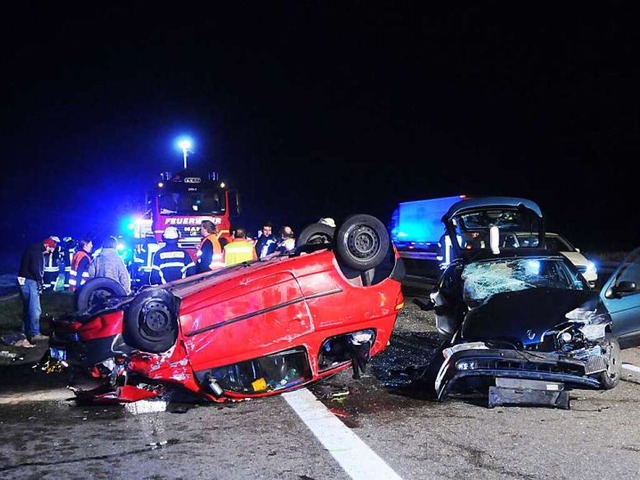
(323, 110)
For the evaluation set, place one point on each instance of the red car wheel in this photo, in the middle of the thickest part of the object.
(151, 323)
(362, 242)
(93, 294)
(316, 233)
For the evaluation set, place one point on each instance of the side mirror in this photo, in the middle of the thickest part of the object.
(625, 286)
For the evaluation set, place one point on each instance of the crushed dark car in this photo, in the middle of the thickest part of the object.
(519, 324)
(251, 330)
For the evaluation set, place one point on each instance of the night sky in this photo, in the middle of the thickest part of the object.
(322, 109)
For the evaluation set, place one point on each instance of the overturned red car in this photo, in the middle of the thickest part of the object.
(251, 330)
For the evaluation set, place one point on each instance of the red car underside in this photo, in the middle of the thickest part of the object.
(235, 327)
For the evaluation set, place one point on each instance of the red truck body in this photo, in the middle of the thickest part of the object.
(182, 200)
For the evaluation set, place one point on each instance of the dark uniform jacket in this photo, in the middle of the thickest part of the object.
(170, 263)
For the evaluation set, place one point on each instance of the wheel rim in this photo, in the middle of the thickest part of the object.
(155, 320)
(363, 243)
(612, 360)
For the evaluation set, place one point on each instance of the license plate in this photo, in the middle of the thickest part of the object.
(58, 353)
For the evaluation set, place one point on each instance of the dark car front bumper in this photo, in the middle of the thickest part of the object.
(487, 364)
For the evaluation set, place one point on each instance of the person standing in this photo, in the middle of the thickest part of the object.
(31, 283)
(267, 241)
(79, 273)
(210, 256)
(64, 275)
(109, 264)
(287, 240)
(170, 262)
(52, 263)
(240, 249)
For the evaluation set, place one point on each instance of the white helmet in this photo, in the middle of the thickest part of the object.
(171, 233)
(328, 221)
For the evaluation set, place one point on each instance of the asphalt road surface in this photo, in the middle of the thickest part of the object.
(341, 428)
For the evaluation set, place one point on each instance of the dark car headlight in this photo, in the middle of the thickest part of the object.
(586, 325)
(565, 337)
(570, 338)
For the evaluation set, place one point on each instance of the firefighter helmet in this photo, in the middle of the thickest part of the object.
(171, 233)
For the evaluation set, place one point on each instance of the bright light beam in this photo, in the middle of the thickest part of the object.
(185, 145)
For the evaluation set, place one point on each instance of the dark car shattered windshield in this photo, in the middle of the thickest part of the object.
(483, 279)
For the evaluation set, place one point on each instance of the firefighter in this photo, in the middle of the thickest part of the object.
(210, 256)
(52, 262)
(170, 262)
(64, 274)
(78, 274)
(239, 249)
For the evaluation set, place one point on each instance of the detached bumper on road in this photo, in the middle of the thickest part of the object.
(489, 364)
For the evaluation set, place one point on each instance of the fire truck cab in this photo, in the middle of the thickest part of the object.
(182, 200)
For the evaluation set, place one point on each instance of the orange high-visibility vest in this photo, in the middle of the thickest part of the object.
(217, 259)
(75, 281)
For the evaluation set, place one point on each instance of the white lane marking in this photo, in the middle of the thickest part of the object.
(351, 453)
(630, 366)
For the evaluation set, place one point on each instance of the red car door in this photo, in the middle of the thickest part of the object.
(259, 316)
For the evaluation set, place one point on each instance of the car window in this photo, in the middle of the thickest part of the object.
(631, 269)
(528, 240)
(558, 244)
(483, 279)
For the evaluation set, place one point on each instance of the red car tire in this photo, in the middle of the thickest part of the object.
(362, 242)
(151, 323)
(94, 293)
(316, 233)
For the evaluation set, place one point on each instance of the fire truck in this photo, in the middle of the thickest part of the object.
(182, 200)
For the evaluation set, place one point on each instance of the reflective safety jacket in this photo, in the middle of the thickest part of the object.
(239, 250)
(170, 263)
(210, 254)
(286, 245)
(78, 274)
(51, 269)
(66, 258)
